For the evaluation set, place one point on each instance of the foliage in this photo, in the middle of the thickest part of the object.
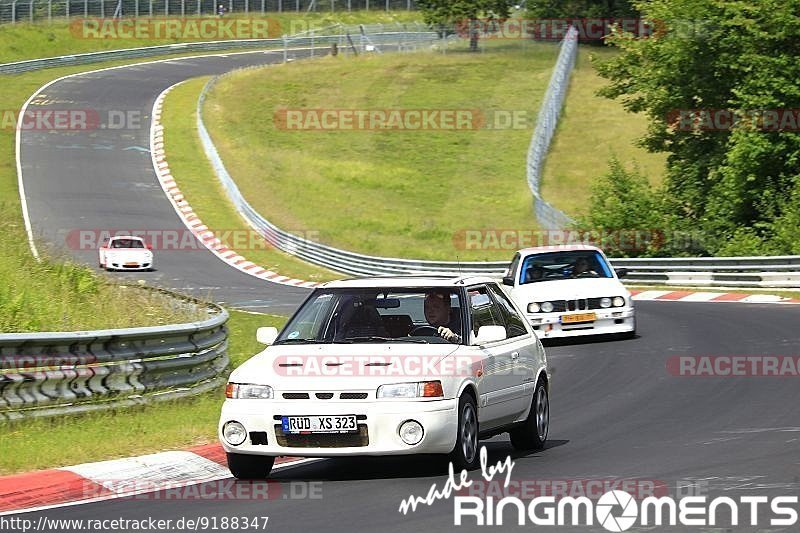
(737, 185)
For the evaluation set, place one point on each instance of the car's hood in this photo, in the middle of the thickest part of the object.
(350, 367)
(569, 289)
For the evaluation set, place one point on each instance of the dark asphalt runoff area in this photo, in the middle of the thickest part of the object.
(617, 412)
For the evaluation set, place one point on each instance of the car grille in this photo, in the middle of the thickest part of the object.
(323, 440)
(325, 395)
(581, 304)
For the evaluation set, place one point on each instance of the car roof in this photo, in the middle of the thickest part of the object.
(558, 248)
(408, 281)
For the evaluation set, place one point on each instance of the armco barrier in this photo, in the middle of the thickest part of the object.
(319, 38)
(45, 374)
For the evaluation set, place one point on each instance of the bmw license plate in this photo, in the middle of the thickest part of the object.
(580, 317)
(319, 424)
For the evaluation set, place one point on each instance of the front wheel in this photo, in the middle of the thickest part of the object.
(250, 466)
(532, 434)
(465, 454)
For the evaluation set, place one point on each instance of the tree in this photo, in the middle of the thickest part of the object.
(464, 12)
(730, 182)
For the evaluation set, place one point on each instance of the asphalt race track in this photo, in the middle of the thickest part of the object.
(617, 413)
(103, 179)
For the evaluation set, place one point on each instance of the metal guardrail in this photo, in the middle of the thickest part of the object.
(57, 373)
(546, 122)
(12, 11)
(321, 38)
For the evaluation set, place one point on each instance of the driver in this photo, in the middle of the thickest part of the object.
(582, 267)
(439, 315)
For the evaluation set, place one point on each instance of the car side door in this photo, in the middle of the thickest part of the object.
(529, 353)
(500, 401)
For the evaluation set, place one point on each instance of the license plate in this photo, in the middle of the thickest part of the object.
(131, 264)
(580, 317)
(319, 424)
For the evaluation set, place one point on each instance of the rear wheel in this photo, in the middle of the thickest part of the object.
(532, 434)
(250, 466)
(465, 454)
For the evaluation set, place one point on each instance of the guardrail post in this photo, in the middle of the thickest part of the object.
(312, 43)
(183, 7)
(285, 48)
(102, 8)
(199, 7)
(30, 10)
(150, 9)
(66, 7)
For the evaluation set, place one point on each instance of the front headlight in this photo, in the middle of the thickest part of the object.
(619, 301)
(533, 307)
(547, 307)
(247, 391)
(422, 389)
(605, 302)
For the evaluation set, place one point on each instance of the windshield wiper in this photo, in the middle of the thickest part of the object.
(295, 341)
(373, 338)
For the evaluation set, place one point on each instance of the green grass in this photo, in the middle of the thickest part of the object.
(38, 444)
(28, 41)
(592, 129)
(196, 179)
(393, 193)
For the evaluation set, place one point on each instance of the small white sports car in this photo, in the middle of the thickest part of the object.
(389, 366)
(570, 291)
(125, 252)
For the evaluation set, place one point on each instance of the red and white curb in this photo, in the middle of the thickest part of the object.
(190, 218)
(173, 471)
(701, 296)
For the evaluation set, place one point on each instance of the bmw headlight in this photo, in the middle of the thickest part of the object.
(247, 391)
(422, 389)
(547, 307)
(619, 301)
(533, 307)
(605, 302)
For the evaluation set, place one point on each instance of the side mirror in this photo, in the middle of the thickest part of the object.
(487, 334)
(621, 272)
(149, 246)
(266, 335)
(508, 280)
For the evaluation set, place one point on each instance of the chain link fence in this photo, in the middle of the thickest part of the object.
(45, 10)
(548, 216)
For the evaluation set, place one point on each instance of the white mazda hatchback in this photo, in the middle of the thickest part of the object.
(388, 366)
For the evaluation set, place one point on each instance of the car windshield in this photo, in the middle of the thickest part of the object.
(127, 243)
(355, 315)
(564, 265)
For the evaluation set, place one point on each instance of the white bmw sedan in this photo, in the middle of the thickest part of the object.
(389, 366)
(569, 291)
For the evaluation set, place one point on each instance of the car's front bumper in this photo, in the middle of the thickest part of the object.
(381, 421)
(607, 321)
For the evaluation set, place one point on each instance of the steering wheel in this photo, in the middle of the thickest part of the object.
(424, 331)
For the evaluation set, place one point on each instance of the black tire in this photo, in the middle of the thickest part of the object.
(465, 454)
(250, 466)
(532, 434)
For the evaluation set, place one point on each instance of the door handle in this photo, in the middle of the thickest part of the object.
(514, 355)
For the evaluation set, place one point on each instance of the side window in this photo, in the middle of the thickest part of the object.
(483, 310)
(515, 327)
(512, 270)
